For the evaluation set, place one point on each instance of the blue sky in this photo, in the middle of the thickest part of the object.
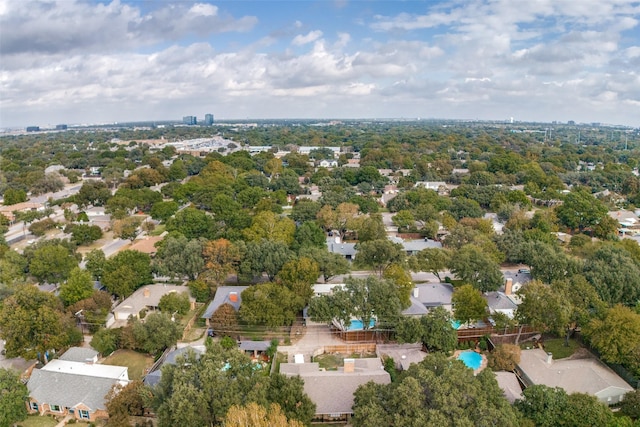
(77, 61)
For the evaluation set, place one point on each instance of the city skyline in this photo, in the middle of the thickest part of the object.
(97, 62)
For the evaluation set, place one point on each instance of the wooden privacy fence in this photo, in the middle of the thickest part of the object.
(368, 347)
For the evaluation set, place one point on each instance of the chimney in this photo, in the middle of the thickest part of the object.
(349, 365)
(146, 292)
(508, 286)
(549, 358)
(415, 292)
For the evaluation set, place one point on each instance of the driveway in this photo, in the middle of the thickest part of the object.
(314, 336)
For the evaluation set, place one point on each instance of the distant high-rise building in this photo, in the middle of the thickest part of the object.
(33, 128)
(61, 127)
(208, 119)
(189, 120)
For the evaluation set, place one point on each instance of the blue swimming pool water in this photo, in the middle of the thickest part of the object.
(456, 324)
(356, 325)
(472, 359)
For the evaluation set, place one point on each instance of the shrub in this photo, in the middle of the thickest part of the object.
(504, 357)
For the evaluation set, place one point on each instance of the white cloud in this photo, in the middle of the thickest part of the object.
(310, 37)
(74, 26)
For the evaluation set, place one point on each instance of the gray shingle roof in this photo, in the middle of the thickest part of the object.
(221, 297)
(69, 390)
(79, 354)
(332, 391)
(574, 375)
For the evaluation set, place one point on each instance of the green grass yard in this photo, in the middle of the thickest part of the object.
(38, 421)
(136, 362)
(556, 347)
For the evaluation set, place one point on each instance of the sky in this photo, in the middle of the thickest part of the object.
(80, 61)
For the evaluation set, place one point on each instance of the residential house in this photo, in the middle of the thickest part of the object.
(352, 163)
(224, 295)
(412, 247)
(515, 280)
(404, 355)
(439, 187)
(328, 163)
(589, 376)
(429, 295)
(629, 222)
(153, 377)
(147, 244)
(347, 250)
(332, 391)
(508, 382)
(8, 210)
(78, 389)
(146, 298)
(80, 354)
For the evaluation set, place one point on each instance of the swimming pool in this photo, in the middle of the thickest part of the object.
(356, 325)
(470, 358)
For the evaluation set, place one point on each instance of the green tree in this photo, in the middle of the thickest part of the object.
(78, 287)
(329, 264)
(548, 407)
(124, 401)
(437, 331)
(270, 304)
(83, 234)
(266, 225)
(266, 257)
(157, 333)
(472, 265)
(162, 211)
(401, 278)
(179, 257)
(52, 263)
(299, 275)
(105, 341)
(379, 254)
(362, 299)
(581, 210)
(434, 392)
(127, 271)
(617, 335)
(92, 193)
(309, 234)
(225, 319)
(13, 398)
(305, 210)
(14, 196)
(175, 302)
(94, 263)
(369, 228)
(543, 308)
(192, 223)
(404, 220)
(614, 274)
(32, 322)
(505, 357)
(288, 393)
(630, 405)
(200, 290)
(221, 259)
(468, 304)
(432, 260)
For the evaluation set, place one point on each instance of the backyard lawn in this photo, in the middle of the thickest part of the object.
(556, 347)
(38, 421)
(136, 362)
